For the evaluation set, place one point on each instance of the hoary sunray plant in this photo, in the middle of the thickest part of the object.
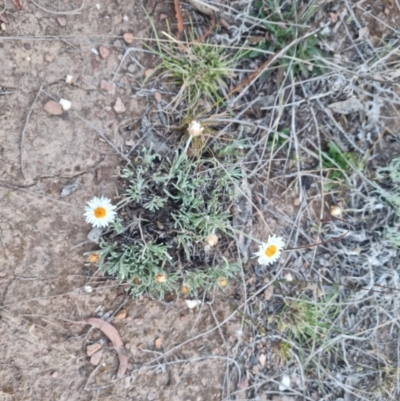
(173, 223)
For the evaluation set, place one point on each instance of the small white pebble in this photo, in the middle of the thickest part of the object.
(98, 6)
(94, 51)
(65, 104)
(125, 18)
(68, 79)
(88, 289)
(192, 303)
(288, 277)
(28, 59)
(285, 383)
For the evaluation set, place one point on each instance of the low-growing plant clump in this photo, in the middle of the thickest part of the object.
(173, 227)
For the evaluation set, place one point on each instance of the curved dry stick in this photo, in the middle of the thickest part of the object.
(112, 333)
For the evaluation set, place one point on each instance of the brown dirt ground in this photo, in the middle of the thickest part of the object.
(43, 270)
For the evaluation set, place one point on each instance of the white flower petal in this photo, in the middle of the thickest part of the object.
(99, 212)
(275, 245)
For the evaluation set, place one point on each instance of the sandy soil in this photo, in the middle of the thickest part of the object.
(44, 274)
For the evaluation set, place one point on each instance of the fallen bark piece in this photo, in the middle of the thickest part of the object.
(112, 333)
(93, 348)
(53, 108)
(96, 357)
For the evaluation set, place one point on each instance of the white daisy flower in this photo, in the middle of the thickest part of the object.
(271, 251)
(99, 212)
(195, 129)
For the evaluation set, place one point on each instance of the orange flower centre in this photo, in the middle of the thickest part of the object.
(270, 251)
(100, 212)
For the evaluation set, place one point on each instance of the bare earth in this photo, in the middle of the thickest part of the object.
(43, 236)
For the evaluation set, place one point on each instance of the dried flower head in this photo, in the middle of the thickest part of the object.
(195, 129)
(222, 282)
(99, 212)
(94, 258)
(161, 278)
(212, 240)
(185, 289)
(270, 251)
(336, 211)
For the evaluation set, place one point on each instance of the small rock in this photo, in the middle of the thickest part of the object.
(95, 234)
(65, 104)
(151, 396)
(119, 107)
(54, 374)
(88, 289)
(125, 18)
(118, 44)
(243, 384)
(93, 348)
(95, 51)
(192, 303)
(128, 37)
(3, 26)
(104, 52)
(53, 108)
(68, 79)
(163, 17)
(121, 314)
(107, 86)
(96, 357)
(27, 46)
(49, 57)
(288, 277)
(2, 273)
(132, 68)
(62, 21)
(262, 359)
(148, 72)
(68, 189)
(285, 383)
(158, 343)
